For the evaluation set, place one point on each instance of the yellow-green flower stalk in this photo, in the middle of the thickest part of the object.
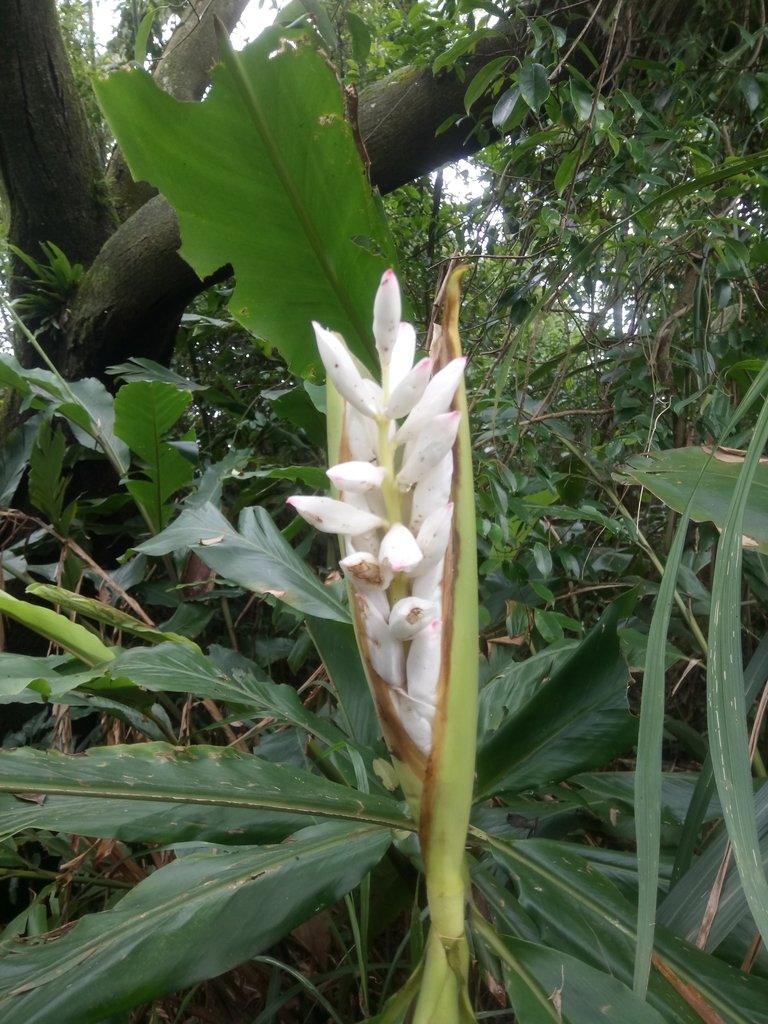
(402, 469)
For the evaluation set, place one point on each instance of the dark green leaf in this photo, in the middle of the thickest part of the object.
(190, 921)
(577, 721)
(581, 913)
(581, 98)
(750, 89)
(361, 36)
(337, 646)
(566, 171)
(534, 85)
(509, 103)
(547, 986)
(483, 80)
(158, 774)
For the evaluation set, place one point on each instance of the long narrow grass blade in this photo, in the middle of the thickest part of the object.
(754, 679)
(648, 772)
(727, 710)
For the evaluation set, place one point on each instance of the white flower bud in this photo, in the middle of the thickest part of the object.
(362, 436)
(409, 616)
(417, 721)
(409, 390)
(399, 550)
(436, 399)
(434, 534)
(386, 653)
(423, 665)
(360, 392)
(332, 516)
(386, 316)
(366, 571)
(431, 492)
(358, 477)
(428, 586)
(433, 442)
(402, 355)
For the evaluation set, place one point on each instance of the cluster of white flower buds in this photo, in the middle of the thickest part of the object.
(394, 514)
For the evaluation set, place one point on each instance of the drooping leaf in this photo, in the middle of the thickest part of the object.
(256, 557)
(98, 611)
(509, 110)
(576, 721)
(20, 671)
(189, 921)
(361, 36)
(673, 475)
(139, 368)
(264, 175)
(534, 85)
(90, 409)
(178, 668)
(565, 172)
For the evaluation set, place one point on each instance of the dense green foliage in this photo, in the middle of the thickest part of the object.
(170, 621)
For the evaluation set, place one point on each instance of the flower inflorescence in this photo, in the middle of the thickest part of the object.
(394, 510)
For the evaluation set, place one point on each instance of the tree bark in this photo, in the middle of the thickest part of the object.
(49, 162)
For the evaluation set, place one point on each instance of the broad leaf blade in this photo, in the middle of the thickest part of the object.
(547, 986)
(192, 920)
(144, 413)
(159, 774)
(707, 481)
(257, 557)
(578, 720)
(255, 173)
(583, 914)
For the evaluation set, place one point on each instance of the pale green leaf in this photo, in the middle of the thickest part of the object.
(256, 173)
(256, 557)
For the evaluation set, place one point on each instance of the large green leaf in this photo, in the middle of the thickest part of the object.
(256, 557)
(576, 721)
(577, 910)
(264, 175)
(674, 475)
(154, 775)
(192, 920)
(19, 672)
(547, 986)
(144, 413)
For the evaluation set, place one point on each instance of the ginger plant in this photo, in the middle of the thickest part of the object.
(402, 470)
